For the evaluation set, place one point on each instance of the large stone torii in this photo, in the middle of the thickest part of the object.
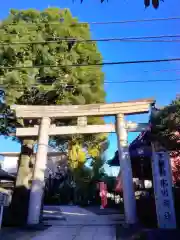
(81, 112)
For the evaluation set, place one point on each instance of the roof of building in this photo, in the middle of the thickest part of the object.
(6, 176)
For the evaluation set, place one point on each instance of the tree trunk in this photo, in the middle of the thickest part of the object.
(20, 199)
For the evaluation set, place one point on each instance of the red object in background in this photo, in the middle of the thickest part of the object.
(103, 194)
(118, 186)
(175, 164)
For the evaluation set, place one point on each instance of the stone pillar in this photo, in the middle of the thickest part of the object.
(37, 187)
(126, 171)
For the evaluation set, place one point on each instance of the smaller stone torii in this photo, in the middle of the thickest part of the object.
(81, 112)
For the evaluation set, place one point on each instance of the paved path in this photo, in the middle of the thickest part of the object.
(81, 224)
(52, 213)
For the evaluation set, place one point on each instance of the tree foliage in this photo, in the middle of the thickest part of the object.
(87, 178)
(97, 169)
(49, 85)
(166, 130)
(166, 126)
(32, 44)
(58, 85)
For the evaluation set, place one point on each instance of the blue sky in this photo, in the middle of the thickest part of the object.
(116, 10)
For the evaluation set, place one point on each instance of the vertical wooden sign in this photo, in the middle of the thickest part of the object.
(162, 180)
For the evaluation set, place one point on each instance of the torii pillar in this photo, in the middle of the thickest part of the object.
(126, 171)
(37, 187)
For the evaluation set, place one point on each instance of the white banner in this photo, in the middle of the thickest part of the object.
(162, 182)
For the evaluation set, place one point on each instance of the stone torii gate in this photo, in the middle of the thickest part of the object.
(81, 112)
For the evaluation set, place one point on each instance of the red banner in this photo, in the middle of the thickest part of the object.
(103, 194)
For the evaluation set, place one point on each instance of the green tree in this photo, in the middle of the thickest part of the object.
(97, 169)
(36, 38)
(166, 126)
(166, 131)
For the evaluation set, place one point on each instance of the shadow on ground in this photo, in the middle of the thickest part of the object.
(27, 233)
(105, 211)
(135, 232)
(8, 233)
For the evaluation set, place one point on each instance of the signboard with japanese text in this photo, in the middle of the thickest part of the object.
(162, 181)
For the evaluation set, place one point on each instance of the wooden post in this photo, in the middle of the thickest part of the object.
(126, 171)
(82, 121)
(39, 170)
